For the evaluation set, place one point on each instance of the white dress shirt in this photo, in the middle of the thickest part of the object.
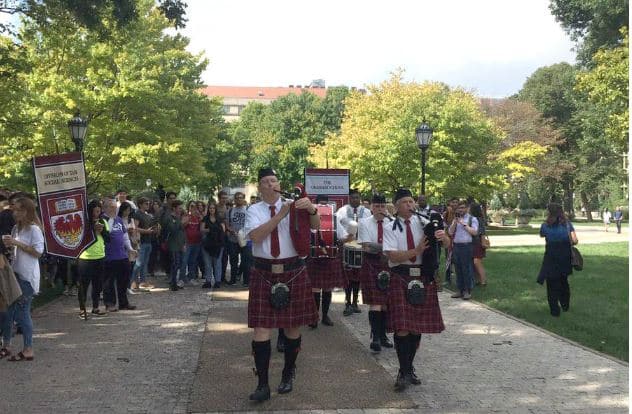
(395, 240)
(259, 214)
(23, 263)
(367, 229)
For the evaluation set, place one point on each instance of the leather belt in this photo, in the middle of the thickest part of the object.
(410, 271)
(277, 268)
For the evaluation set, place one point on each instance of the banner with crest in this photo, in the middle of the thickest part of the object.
(61, 191)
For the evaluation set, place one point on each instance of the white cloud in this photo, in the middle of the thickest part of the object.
(490, 46)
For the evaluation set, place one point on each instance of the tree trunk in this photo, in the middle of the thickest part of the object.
(567, 186)
(586, 205)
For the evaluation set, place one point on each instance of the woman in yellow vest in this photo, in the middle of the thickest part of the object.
(91, 261)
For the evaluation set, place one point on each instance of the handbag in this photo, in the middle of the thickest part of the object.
(10, 290)
(485, 241)
(577, 261)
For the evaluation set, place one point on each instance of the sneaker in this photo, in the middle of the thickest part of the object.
(456, 295)
(131, 292)
(467, 296)
(180, 284)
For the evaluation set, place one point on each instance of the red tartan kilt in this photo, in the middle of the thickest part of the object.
(301, 310)
(326, 273)
(403, 316)
(371, 266)
(352, 274)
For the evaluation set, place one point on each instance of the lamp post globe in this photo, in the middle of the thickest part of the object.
(423, 135)
(78, 127)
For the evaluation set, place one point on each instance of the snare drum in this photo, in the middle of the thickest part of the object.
(324, 242)
(352, 255)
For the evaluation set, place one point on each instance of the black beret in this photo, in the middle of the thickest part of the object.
(401, 193)
(378, 199)
(264, 172)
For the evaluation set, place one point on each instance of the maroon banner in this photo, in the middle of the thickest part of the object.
(61, 191)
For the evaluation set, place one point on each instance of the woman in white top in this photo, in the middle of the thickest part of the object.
(27, 241)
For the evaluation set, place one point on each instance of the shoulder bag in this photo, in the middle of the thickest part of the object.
(577, 261)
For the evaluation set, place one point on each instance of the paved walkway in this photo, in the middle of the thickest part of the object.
(586, 235)
(145, 361)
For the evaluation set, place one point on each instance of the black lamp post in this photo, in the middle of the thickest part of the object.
(78, 128)
(423, 134)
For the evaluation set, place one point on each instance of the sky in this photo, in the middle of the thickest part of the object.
(489, 47)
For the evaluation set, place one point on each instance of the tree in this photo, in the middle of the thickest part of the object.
(140, 89)
(89, 14)
(606, 87)
(376, 141)
(551, 90)
(280, 134)
(593, 24)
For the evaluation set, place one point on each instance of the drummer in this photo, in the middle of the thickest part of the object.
(348, 213)
(324, 267)
(370, 235)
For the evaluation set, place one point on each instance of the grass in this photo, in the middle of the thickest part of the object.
(598, 316)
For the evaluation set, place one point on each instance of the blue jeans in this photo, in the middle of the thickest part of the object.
(212, 266)
(191, 255)
(20, 312)
(140, 267)
(463, 265)
(176, 265)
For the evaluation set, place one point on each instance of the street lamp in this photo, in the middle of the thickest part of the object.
(78, 128)
(423, 134)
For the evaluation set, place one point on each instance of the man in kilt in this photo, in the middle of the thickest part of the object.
(352, 211)
(413, 306)
(276, 267)
(325, 273)
(370, 236)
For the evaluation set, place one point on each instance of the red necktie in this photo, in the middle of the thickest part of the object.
(275, 250)
(409, 239)
(355, 211)
(380, 231)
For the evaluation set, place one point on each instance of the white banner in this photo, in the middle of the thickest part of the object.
(330, 183)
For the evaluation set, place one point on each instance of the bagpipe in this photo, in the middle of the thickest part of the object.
(300, 230)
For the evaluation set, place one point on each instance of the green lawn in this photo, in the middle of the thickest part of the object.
(598, 315)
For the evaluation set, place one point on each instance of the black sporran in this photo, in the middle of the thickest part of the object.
(383, 279)
(416, 293)
(280, 296)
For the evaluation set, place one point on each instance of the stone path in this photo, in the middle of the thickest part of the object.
(145, 361)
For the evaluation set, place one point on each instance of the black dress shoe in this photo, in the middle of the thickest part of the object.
(262, 393)
(286, 382)
(355, 308)
(413, 379)
(313, 325)
(173, 288)
(327, 321)
(401, 383)
(348, 311)
(385, 342)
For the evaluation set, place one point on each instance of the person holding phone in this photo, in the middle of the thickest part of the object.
(147, 228)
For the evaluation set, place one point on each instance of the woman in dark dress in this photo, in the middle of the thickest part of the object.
(556, 265)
